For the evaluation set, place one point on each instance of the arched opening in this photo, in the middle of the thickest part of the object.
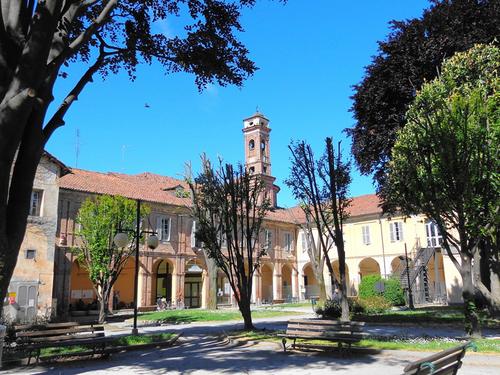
(123, 289)
(223, 289)
(435, 273)
(398, 265)
(368, 266)
(267, 283)
(286, 280)
(82, 294)
(310, 282)
(163, 285)
(336, 272)
(251, 144)
(193, 283)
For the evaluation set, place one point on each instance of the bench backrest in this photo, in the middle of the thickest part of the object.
(442, 363)
(60, 334)
(44, 327)
(324, 328)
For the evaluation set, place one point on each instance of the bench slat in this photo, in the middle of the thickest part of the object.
(44, 327)
(323, 328)
(55, 339)
(326, 322)
(55, 332)
(445, 353)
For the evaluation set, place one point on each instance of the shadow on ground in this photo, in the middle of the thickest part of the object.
(210, 355)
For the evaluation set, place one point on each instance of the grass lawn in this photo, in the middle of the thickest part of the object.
(437, 314)
(411, 344)
(120, 341)
(199, 315)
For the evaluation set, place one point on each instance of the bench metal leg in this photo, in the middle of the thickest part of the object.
(283, 341)
(293, 345)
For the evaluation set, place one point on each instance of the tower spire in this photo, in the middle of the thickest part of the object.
(256, 134)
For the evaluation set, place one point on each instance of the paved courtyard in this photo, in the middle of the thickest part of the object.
(203, 349)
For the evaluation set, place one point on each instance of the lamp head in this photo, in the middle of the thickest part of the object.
(153, 241)
(121, 239)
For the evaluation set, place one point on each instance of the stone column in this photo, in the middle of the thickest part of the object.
(277, 283)
(256, 293)
(178, 282)
(295, 285)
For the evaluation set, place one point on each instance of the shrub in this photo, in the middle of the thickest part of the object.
(393, 292)
(354, 306)
(375, 305)
(367, 286)
(330, 310)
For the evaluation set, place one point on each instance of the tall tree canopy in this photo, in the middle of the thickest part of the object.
(446, 164)
(100, 219)
(411, 55)
(39, 38)
(229, 207)
(322, 185)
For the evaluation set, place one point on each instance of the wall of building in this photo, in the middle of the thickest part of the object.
(37, 273)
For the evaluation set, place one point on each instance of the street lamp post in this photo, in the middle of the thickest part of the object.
(121, 240)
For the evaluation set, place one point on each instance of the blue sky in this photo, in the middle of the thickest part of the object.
(309, 55)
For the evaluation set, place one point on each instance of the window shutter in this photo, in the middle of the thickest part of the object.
(391, 227)
(168, 229)
(304, 241)
(159, 228)
(400, 231)
(193, 234)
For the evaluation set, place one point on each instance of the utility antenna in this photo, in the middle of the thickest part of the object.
(77, 147)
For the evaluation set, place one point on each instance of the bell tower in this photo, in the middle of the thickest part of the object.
(256, 132)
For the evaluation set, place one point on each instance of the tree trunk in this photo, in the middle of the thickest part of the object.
(102, 311)
(344, 303)
(8, 259)
(246, 313)
(212, 283)
(472, 323)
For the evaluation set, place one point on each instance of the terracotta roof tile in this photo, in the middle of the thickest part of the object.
(145, 186)
(161, 189)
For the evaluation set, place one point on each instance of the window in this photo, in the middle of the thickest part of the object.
(30, 254)
(163, 225)
(268, 239)
(36, 202)
(303, 238)
(251, 144)
(396, 231)
(262, 145)
(194, 241)
(366, 234)
(434, 238)
(288, 242)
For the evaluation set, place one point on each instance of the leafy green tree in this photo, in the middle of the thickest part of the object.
(411, 55)
(230, 206)
(322, 186)
(38, 39)
(446, 164)
(100, 218)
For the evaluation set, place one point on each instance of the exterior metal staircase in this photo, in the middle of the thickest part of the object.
(418, 261)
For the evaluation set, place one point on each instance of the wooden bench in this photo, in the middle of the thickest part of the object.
(31, 339)
(342, 332)
(443, 363)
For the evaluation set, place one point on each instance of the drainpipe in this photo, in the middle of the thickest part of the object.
(383, 246)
